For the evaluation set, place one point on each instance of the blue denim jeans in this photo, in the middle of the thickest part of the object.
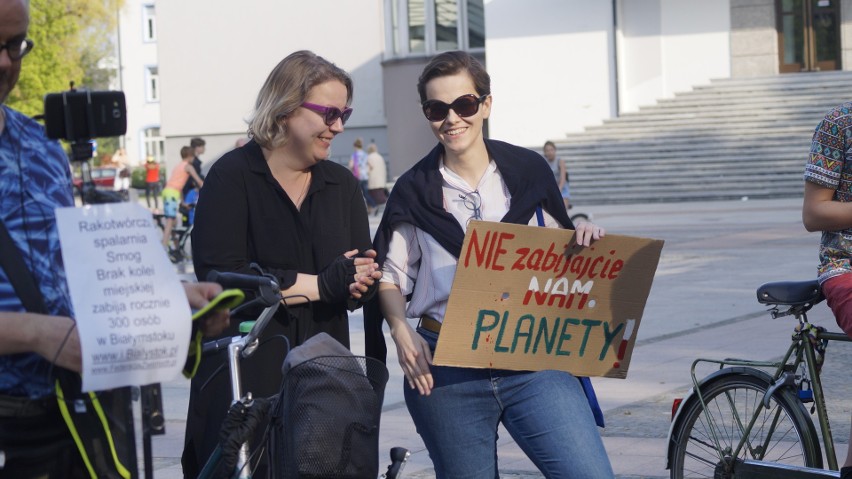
(545, 412)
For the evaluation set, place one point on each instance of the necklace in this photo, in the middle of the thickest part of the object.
(304, 189)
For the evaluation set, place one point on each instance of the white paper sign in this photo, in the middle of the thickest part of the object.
(131, 310)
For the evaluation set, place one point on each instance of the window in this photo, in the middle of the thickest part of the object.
(149, 23)
(475, 24)
(152, 84)
(418, 27)
(155, 145)
(446, 25)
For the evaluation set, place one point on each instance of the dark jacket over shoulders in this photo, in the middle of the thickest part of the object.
(417, 198)
(244, 216)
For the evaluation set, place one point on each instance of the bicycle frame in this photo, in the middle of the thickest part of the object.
(269, 296)
(239, 347)
(784, 376)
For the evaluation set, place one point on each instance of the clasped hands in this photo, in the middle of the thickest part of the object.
(349, 275)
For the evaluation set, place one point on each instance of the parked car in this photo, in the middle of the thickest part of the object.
(102, 177)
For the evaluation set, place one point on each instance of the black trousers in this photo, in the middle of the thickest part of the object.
(152, 189)
(36, 442)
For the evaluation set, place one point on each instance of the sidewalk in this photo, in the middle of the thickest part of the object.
(702, 304)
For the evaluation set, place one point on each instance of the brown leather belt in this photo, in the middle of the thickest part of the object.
(430, 324)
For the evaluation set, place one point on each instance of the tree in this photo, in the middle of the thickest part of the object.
(70, 42)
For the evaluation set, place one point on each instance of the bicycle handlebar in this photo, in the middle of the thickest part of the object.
(268, 295)
(266, 286)
(241, 281)
(211, 347)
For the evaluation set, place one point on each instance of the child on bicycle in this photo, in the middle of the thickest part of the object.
(172, 192)
(827, 207)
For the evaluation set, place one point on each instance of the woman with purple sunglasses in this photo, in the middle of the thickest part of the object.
(457, 410)
(297, 216)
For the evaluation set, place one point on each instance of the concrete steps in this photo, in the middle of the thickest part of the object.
(731, 139)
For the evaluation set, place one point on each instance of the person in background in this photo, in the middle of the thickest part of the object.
(121, 183)
(295, 215)
(827, 207)
(358, 166)
(457, 410)
(34, 347)
(152, 182)
(120, 157)
(560, 172)
(172, 192)
(378, 176)
(198, 146)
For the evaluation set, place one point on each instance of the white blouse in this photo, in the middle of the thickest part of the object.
(415, 257)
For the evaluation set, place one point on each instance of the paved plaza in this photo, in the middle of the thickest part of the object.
(702, 304)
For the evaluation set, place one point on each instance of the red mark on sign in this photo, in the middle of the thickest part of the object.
(628, 332)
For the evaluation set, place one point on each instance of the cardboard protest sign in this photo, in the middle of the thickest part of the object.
(528, 298)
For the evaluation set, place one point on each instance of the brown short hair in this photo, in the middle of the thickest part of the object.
(286, 88)
(187, 152)
(196, 142)
(451, 63)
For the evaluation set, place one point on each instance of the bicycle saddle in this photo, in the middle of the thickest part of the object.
(790, 293)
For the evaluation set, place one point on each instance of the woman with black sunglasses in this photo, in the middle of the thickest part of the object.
(457, 410)
(297, 216)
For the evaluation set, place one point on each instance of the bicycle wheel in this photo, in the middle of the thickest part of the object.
(782, 433)
(185, 245)
(579, 217)
(175, 250)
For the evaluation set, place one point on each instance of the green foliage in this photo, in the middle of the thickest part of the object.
(70, 40)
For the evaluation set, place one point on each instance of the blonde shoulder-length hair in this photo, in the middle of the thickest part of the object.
(285, 89)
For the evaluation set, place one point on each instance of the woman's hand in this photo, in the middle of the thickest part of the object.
(414, 357)
(366, 272)
(586, 232)
(412, 350)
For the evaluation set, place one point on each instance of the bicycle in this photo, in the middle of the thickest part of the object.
(748, 419)
(180, 235)
(577, 216)
(248, 413)
(580, 217)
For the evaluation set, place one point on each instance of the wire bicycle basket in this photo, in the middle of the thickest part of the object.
(325, 423)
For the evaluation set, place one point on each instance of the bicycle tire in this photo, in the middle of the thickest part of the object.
(739, 393)
(184, 243)
(178, 251)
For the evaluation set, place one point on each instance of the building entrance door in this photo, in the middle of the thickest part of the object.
(808, 35)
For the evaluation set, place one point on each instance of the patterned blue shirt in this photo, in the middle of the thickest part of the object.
(829, 166)
(35, 179)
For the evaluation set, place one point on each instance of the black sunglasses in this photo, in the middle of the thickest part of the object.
(17, 49)
(465, 105)
(473, 202)
(330, 114)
